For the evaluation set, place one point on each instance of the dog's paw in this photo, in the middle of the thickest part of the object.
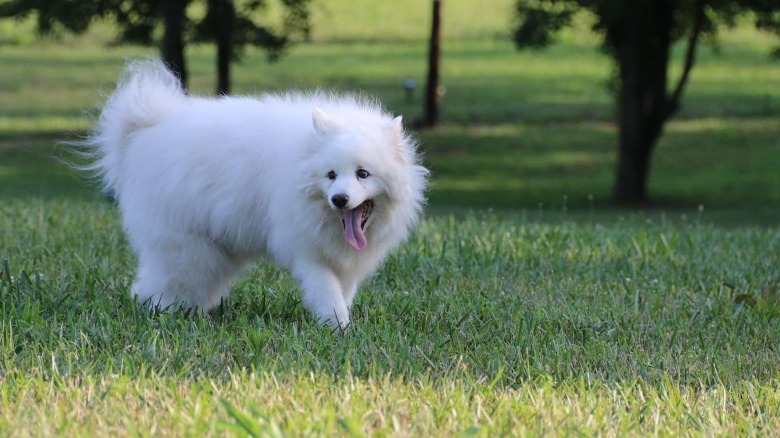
(335, 322)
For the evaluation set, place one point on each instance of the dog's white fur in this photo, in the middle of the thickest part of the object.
(207, 185)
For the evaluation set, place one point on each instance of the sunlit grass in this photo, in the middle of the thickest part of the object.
(351, 406)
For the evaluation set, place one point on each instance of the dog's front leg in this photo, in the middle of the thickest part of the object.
(322, 293)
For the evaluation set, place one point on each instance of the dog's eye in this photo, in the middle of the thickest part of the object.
(331, 175)
(362, 173)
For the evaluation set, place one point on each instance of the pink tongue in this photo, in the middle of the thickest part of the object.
(353, 233)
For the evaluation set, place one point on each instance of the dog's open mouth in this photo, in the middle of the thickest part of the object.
(354, 222)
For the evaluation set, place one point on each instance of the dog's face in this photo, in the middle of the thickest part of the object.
(351, 191)
(353, 171)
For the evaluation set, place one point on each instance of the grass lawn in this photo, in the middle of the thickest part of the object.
(521, 305)
(645, 325)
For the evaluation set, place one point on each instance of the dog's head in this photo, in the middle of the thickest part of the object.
(363, 165)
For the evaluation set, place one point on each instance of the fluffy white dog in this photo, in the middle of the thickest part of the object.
(325, 185)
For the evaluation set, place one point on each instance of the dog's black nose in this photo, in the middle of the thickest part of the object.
(340, 200)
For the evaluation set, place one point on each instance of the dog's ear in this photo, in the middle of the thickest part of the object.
(397, 131)
(397, 126)
(323, 123)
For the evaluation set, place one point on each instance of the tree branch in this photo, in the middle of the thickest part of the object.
(673, 102)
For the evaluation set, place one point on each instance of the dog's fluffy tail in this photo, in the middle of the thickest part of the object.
(146, 91)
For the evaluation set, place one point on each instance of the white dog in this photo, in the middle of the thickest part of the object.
(325, 185)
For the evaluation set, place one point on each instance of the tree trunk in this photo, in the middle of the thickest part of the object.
(642, 48)
(224, 15)
(173, 38)
(432, 97)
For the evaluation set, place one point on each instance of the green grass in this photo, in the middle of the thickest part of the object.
(520, 306)
(508, 140)
(649, 324)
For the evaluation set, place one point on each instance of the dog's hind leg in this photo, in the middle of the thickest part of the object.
(184, 270)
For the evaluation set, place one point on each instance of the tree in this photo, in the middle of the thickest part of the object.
(75, 16)
(137, 20)
(172, 47)
(639, 35)
(432, 92)
(228, 23)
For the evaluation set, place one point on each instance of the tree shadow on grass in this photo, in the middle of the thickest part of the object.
(715, 163)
